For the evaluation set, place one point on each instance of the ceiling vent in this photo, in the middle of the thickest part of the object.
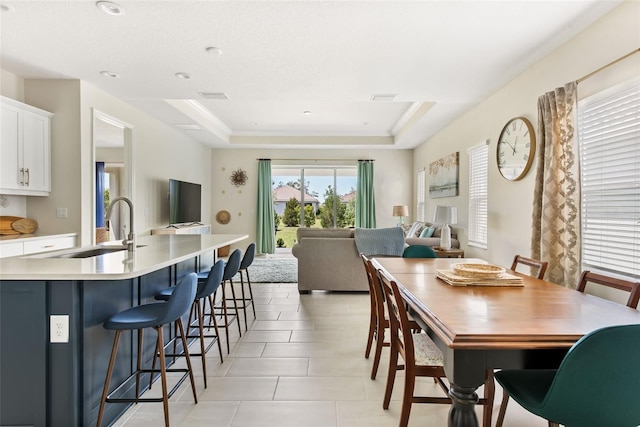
(189, 127)
(214, 95)
(383, 96)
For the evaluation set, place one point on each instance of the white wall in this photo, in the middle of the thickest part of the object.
(510, 203)
(11, 86)
(392, 176)
(160, 152)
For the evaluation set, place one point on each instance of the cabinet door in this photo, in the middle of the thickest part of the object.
(36, 152)
(11, 158)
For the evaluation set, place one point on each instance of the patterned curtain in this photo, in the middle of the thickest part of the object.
(266, 229)
(365, 198)
(556, 202)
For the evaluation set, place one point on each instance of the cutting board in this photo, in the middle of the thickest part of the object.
(5, 224)
(24, 225)
(11, 225)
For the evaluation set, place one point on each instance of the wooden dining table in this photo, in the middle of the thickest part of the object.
(496, 327)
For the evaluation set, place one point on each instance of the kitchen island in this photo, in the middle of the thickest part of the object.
(44, 383)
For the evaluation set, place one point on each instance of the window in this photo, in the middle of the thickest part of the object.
(478, 191)
(328, 195)
(609, 141)
(420, 195)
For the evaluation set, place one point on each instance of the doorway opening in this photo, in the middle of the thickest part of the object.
(312, 196)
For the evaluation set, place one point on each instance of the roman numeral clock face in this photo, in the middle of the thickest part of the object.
(516, 148)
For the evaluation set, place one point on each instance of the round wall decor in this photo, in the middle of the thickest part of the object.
(223, 217)
(238, 177)
(516, 148)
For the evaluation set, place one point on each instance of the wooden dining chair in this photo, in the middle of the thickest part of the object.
(373, 319)
(421, 356)
(633, 288)
(536, 268)
(378, 319)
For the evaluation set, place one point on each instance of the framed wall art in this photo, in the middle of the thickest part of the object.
(443, 177)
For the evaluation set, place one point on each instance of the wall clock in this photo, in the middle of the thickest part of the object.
(516, 148)
(238, 177)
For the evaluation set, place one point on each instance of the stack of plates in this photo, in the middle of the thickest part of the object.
(478, 275)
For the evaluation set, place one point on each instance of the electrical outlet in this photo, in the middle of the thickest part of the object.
(59, 328)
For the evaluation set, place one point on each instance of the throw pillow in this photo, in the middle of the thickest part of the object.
(416, 229)
(427, 232)
(419, 229)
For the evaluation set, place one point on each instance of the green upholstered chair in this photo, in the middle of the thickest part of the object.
(419, 251)
(597, 383)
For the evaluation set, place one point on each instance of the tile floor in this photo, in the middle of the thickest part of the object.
(301, 364)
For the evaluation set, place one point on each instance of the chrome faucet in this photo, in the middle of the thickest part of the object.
(131, 238)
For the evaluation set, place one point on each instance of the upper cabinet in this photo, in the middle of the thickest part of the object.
(25, 145)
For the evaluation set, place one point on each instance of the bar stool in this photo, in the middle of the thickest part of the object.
(154, 315)
(247, 260)
(206, 287)
(230, 270)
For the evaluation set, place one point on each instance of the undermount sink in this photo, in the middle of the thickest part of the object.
(94, 252)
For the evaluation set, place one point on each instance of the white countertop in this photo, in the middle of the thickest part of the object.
(159, 251)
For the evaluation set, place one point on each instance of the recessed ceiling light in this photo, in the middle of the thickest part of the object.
(183, 76)
(213, 50)
(307, 113)
(110, 74)
(110, 8)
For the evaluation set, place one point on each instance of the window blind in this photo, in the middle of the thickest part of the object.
(420, 195)
(609, 142)
(478, 195)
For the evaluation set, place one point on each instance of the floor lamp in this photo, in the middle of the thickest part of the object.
(445, 215)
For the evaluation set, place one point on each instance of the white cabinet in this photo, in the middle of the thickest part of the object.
(32, 245)
(11, 249)
(25, 145)
(49, 244)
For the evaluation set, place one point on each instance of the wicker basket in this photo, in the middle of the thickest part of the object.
(478, 271)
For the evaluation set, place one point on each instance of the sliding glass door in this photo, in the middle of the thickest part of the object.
(313, 196)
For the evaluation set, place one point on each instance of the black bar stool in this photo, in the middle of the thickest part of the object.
(155, 316)
(230, 270)
(206, 286)
(247, 260)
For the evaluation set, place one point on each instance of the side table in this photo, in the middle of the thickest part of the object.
(449, 253)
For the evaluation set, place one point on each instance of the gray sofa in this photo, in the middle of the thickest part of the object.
(328, 260)
(415, 229)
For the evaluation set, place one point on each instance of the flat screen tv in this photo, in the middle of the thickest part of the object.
(184, 202)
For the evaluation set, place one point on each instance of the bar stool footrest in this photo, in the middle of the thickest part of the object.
(110, 399)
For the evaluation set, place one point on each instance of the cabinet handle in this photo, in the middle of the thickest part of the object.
(21, 176)
(28, 177)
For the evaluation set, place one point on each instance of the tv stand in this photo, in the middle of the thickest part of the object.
(194, 228)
